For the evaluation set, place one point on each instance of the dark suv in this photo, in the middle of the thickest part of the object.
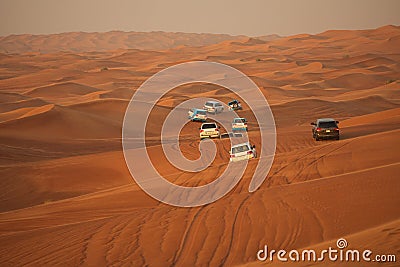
(325, 129)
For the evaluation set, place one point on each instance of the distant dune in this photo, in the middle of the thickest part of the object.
(68, 199)
(82, 41)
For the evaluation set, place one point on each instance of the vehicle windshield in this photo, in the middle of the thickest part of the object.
(239, 149)
(201, 112)
(209, 104)
(209, 126)
(327, 124)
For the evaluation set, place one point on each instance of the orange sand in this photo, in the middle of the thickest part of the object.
(67, 197)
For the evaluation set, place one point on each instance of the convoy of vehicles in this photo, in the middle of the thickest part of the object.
(326, 128)
(212, 130)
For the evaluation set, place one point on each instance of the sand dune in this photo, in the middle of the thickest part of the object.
(356, 81)
(81, 41)
(121, 93)
(305, 109)
(112, 109)
(67, 197)
(61, 123)
(61, 90)
(52, 179)
(30, 102)
(7, 97)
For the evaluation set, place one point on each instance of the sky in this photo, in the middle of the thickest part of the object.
(235, 17)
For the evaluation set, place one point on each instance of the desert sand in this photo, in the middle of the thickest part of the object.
(104, 41)
(67, 197)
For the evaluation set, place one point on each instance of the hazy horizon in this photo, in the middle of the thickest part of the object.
(250, 18)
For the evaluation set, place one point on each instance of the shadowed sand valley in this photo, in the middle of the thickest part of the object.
(67, 197)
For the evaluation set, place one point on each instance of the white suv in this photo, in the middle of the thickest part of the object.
(242, 152)
(213, 107)
(239, 124)
(209, 130)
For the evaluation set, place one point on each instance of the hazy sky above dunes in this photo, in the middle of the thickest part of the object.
(249, 17)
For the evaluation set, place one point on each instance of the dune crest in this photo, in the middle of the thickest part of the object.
(61, 90)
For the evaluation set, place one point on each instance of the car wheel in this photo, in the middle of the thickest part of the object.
(337, 138)
(317, 138)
